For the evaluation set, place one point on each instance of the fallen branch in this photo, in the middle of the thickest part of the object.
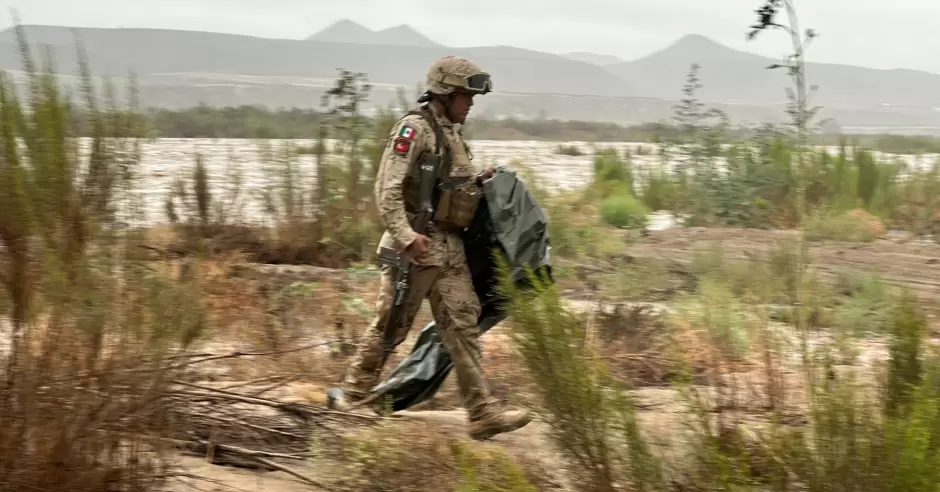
(288, 471)
(206, 358)
(241, 384)
(239, 353)
(299, 409)
(259, 456)
(199, 446)
(248, 425)
(585, 267)
(182, 475)
(272, 387)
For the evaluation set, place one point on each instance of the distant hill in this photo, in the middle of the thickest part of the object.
(347, 31)
(154, 51)
(183, 67)
(593, 58)
(737, 77)
(344, 31)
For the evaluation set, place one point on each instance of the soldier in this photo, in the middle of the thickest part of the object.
(442, 274)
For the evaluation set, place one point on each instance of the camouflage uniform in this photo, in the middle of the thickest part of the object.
(443, 275)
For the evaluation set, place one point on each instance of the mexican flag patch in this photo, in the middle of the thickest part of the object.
(407, 132)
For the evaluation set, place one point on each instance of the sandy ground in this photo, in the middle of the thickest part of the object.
(911, 264)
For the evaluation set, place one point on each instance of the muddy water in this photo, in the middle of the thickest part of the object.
(241, 164)
(226, 159)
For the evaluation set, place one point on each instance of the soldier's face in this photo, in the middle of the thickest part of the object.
(460, 107)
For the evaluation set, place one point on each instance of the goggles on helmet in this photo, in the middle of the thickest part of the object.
(479, 82)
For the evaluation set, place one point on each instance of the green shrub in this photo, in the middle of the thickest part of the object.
(866, 312)
(838, 227)
(908, 327)
(572, 150)
(660, 192)
(612, 175)
(623, 211)
(858, 444)
(722, 316)
(608, 166)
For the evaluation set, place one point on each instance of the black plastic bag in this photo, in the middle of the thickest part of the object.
(510, 220)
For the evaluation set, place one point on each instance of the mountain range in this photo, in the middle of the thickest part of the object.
(347, 31)
(179, 68)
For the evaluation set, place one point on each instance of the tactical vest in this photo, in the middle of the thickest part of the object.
(456, 195)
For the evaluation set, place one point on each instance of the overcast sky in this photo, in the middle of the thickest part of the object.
(872, 33)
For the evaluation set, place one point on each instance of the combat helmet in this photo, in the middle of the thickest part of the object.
(452, 73)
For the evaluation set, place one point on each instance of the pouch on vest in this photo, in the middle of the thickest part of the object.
(457, 198)
(458, 204)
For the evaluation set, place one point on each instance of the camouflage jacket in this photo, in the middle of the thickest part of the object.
(409, 138)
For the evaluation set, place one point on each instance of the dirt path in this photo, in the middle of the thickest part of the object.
(529, 444)
(660, 415)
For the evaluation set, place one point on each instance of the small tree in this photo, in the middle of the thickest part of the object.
(801, 118)
(798, 107)
(344, 102)
(698, 142)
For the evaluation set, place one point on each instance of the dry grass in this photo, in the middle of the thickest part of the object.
(405, 457)
(646, 348)
(84, 368)
(86, 413)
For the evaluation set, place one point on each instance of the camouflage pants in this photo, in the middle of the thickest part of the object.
(455, 307)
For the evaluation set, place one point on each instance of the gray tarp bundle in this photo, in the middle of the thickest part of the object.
(508, 219)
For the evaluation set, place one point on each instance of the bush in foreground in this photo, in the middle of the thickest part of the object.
(86, 371)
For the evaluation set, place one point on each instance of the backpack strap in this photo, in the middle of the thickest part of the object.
(444, 171)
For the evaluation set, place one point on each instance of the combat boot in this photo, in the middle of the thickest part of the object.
(343, 399)
(498, 419)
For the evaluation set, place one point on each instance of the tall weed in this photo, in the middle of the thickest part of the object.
(593, 421)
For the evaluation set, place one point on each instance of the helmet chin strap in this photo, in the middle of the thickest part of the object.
(445, 102)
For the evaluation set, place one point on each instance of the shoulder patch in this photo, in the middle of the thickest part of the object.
(402, 144)
(407, 133)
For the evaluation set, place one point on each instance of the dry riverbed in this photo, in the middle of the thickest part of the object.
(340, 306)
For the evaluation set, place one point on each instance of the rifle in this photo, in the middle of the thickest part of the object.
(401, 265)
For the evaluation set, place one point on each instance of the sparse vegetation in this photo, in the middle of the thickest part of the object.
(255, 122)
(434, 461)
(730, 368)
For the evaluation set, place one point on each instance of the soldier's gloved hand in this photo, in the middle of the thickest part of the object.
(485, 175)
(418, 247)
